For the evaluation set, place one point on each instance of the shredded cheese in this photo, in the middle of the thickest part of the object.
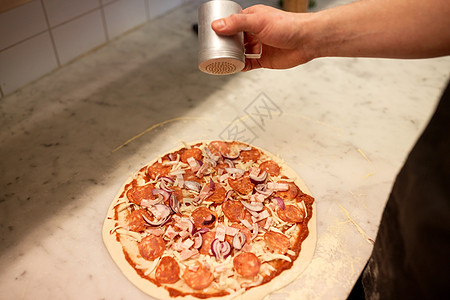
(180, 243)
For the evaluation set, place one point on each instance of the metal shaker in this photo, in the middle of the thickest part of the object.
(219, 55)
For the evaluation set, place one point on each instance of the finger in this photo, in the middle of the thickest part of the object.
(252, 44)
(237, 23)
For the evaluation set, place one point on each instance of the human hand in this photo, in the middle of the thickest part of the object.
(277, 31)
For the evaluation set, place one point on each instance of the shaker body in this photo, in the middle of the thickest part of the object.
(217, 54)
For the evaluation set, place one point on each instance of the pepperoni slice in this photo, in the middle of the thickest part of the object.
(218, 194)
(192, 152)
(168, 270)
(242, 185)
(198, 277)
(271, 167)
(247, 264)
(221, 166)
(306, 198)
(291, 214)
(233, 210)
(244, 230)
(158, 169)
(137, 193)
(291, 193)
(204, 217)
(135, 220)
(207, 239)
(218, 147)
(252, 154)
(277, 242)
(151, 247)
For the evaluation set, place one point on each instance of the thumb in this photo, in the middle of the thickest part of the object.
(233, 24)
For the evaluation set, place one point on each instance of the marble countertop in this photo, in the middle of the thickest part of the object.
(69, 140)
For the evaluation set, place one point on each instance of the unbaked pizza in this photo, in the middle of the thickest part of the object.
(212, 219)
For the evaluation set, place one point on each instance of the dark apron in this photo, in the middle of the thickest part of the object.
(411, 255)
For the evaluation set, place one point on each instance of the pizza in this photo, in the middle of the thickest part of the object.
(212, 219)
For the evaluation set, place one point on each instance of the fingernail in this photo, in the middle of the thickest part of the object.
(219, 24)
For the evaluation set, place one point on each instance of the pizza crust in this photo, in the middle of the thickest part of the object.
(286, 277)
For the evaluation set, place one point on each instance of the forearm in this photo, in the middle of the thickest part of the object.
(379, 28)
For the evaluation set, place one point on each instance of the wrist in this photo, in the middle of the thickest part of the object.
(310, 39)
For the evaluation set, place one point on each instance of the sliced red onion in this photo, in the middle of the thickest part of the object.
(212, 185)
(209, 220)
(165, 182)
(229, 163)
(255, 230)
(235, 171)
(160, 192)
(191, 226)
(231, 156)
(253, 206)
(262, 189)
(156, 222)
(211, 162)
(167, 179)
(198, 240)
(210, 155)
(220, 249)
(258, 179)
(279, 202)
(192, 185)
(174, 204)
(226, 249)
(228, 195)
(239, 240)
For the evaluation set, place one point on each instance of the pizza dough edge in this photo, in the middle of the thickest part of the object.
(285, 278)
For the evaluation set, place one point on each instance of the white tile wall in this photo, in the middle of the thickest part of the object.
(25, 62)
(60, 11)
(13, 29)
(42, 35)
(104, 2)
(79, 36)
(157, 7)
(122, 15)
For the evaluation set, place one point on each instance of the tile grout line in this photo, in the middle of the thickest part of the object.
(147, 10)
(75, 18)
(55, 51)
(24, 40)
(105, 28)
(49, 28)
